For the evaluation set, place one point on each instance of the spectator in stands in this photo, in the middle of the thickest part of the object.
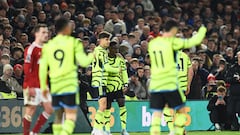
(211, 45)
(233, 77)
(155, 31)
(229, 56)
(114, 19)
(207, 62)
(221, 71)
(10, 81)
(137, 53)
(218, 110)
(143, 80)
(134, 63)
(5, 59)
(18, 73)
(199, 79)
(210, 89)
(145, 33)
(216, 61)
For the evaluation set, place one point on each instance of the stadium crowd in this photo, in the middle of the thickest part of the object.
(133, 24)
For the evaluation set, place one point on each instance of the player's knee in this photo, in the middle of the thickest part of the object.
(58, 116)
(28, 117)
(49, 110)
(102, 107)
(71, 115)
(30, 110)
(181, 110)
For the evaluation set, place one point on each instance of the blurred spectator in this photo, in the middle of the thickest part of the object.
(211, 45)
(114, 20)
(18, 73)
(137, 53)
(218, 110)
(199, 79)
(135, 89)
(134, 63)
(229, 56)
(10, 81)
(155, 31)
(5, 59)
(216, 61)
(210, 89)
(233, 78)
(143, 80)
(207, 62)
(221, 71)
(145, 33)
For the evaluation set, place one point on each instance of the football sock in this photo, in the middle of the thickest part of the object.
(179, 123)
(123, 116)
(99, 118)
(107, 115)
(68, 127)
(168, 117)
(40, 122)
(155, 128)
(56, 129)
(26, 124)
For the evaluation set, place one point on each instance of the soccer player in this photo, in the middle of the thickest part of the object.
(100, 70)
(163, 85)
(116, 85)
(31, 86)
(185, 75)
(60, 58)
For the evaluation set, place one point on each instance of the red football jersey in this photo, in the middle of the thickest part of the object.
(32, 56)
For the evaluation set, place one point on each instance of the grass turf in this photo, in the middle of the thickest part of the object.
(165, 133)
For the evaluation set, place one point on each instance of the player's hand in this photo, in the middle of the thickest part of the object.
(45, 93)
(218, 102)
(187, 91)
(125, 90)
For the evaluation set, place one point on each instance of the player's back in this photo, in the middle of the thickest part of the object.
(32, 56)
(163, 65)
(60, 52)
(183, 64)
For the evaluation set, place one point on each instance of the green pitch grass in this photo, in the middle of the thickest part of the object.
(165, 133)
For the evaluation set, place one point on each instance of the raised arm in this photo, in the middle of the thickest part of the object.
(82, 58)
(179, 43)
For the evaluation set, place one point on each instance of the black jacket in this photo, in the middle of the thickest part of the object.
(233, 81)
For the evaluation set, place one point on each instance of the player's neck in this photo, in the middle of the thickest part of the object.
(38, 42)
(167, 34)
(112, 55)
(103, 46)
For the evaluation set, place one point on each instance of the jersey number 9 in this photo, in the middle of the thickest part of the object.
(59, 56)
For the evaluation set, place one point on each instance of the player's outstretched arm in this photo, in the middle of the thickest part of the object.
(43, 69)
(83, 59)
(179, 43)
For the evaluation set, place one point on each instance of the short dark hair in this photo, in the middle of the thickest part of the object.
(104, 34)
(113, 43)
(170, 24)
(61, 23)
(38, 26)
